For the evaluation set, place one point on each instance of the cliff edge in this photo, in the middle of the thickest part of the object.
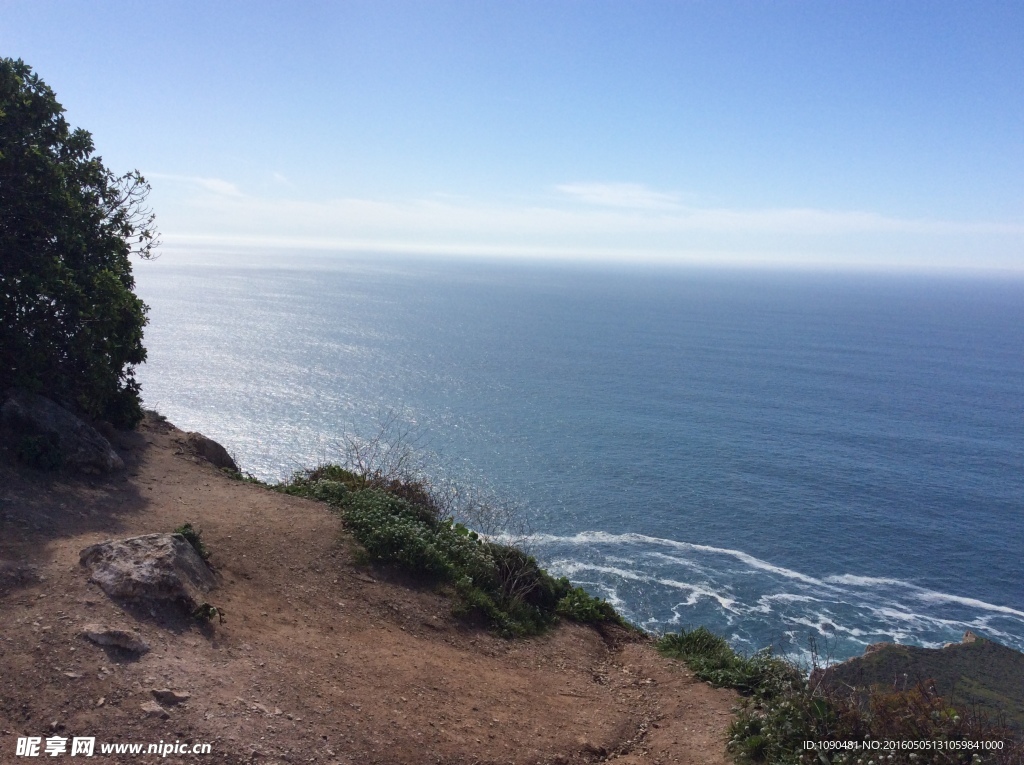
(320, 658)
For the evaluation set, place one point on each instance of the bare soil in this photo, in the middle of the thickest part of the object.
(322, 657)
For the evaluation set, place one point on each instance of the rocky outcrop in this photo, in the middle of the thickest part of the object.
(976, 671)
(154, 567)
(80, 445)
(210, 450)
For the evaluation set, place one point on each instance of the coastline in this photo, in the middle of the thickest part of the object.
(322, 657)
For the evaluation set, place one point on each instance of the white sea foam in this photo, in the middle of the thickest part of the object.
(570, 568)
(764, 602)
(759, 598)
(829, 583)
(791, 597)
(697, 592)
(866, 581)
(942, 597)
(603, 537)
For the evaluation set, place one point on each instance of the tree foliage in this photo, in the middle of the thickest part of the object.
(70, 323)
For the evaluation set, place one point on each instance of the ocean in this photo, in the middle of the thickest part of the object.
(813, 462)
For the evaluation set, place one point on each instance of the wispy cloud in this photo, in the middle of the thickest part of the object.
(599, 221)
(634, 196)
(213, 185)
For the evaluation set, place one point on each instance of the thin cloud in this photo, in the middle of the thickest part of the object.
(214, 185)
(630, 222)
(217, 186)
(633, 196)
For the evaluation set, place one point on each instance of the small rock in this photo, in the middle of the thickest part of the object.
(167, 696)
(152, 709)
(129, 641)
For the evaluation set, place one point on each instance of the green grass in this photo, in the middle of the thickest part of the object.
(712, 659)
(401, 522)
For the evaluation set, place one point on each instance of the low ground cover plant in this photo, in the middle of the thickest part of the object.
(400, 520)
(783, 709)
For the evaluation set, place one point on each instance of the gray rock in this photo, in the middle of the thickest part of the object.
(169, 697)
(151, 567)
(152, 709)
(80, 444)
(210, 450)
(129, 641)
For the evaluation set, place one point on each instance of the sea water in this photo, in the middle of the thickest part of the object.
(791, 459)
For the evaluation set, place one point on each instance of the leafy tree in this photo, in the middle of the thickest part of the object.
(70, 323)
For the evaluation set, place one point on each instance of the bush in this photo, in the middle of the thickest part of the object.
(400, 521)
(70, 323)
(194, 537)
(711, 658)
(580, 606)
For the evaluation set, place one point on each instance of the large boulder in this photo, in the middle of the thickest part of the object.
(80, 445)
(210, 450)
(154, 567)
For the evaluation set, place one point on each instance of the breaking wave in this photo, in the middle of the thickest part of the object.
(666, 584)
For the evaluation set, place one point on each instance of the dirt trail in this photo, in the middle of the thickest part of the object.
(320, 659)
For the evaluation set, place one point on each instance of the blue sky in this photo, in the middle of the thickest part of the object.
(828, 134)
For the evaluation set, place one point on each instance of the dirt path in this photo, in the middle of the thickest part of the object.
(319, 660)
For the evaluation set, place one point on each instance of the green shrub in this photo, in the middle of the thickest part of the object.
(240, 475)
(194, 537)
(206, 612)
(402, 522)
(698, 644)
(712, 659)
(580, 606)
